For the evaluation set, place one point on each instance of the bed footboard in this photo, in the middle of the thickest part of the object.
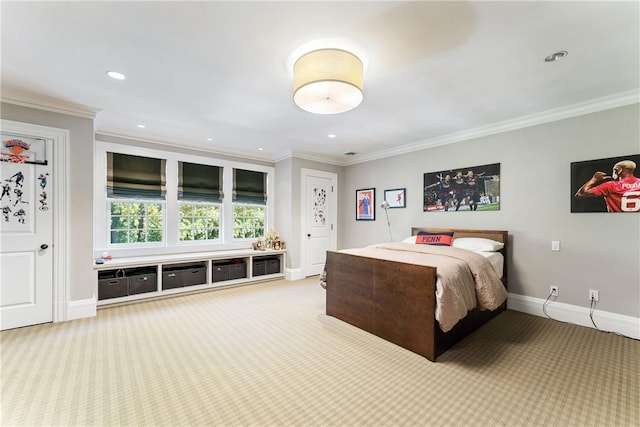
(393, 300)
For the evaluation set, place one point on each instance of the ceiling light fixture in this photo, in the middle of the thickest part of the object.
(141, 126)
(328, 81)
(331, 135)
(556, 56)
(116, 75)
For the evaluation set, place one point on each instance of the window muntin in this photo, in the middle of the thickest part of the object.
(248, 221)
(199, 221)
(135, 221)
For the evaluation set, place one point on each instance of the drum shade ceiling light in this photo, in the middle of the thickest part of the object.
(327, 81)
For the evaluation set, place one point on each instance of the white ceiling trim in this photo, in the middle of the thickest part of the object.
(182, 145)
(38, 102)
(592, 106)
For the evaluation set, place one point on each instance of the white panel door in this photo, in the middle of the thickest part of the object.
(26, 240)
(319, 211)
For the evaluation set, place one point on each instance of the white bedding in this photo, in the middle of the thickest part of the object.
(497, 261)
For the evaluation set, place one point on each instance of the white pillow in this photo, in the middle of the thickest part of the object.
(477, 244)
(411, 239)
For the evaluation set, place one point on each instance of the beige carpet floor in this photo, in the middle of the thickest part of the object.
(267, 355)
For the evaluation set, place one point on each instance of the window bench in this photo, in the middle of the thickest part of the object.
(135, 278)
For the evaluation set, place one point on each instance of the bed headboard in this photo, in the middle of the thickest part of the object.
(497, 235)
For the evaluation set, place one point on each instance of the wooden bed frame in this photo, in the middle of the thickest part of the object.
(396, 301)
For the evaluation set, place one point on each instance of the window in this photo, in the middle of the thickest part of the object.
(249, 202)
(248, 221)
(199, 195)
(136, 188)
(135, 222)
(151, 201)
(199, 221)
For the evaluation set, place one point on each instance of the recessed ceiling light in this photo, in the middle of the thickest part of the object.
(209, 139)
(331, 135)
(260, 149)
(141, 126)
(116, 75)
(556, 56)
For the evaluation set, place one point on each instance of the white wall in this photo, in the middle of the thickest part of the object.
(598, 250)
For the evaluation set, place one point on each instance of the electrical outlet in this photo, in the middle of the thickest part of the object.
(594, 295)
(553, 290)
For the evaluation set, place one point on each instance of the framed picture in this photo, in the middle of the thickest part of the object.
(396, 197)
(468, 189)
(606, 185)
(366, 204)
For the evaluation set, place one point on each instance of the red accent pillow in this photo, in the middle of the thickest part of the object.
(436, 239)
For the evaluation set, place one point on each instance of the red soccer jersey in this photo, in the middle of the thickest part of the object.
(620, 196)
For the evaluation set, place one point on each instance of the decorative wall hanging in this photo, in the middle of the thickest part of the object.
(17, 184)
(23, 149)
(319, 206)
(606, 185)
(396, 198)
(22, 158)
(474, 188)
(366, 204)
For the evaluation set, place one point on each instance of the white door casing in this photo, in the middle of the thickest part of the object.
(33, 285)
(319, 211)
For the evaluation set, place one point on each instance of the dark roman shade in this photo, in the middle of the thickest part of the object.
(199, 182)
(249, 187)
(135, 176)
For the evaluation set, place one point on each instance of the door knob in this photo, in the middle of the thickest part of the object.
(44, 246)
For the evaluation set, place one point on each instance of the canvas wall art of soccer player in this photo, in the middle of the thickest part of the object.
(606, 185)
(468, 189)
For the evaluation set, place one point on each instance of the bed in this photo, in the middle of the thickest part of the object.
(396, 300)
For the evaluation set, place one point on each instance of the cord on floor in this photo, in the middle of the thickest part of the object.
(592, 308)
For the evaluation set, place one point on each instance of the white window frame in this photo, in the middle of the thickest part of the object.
(171, 236)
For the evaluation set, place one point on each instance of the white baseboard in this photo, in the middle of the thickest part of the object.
(81, 308)
(293, 274)
(606, 321)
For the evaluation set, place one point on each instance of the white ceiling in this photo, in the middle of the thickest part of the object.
(222, 70)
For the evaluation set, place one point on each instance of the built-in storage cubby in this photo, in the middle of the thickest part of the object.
(123, 282)
(182, 275)
(266, 265)
(229, 269)
(134, 278)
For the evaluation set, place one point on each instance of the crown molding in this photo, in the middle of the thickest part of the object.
(41, 102)
(595, 105)
(320, 158)
(181, 145)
